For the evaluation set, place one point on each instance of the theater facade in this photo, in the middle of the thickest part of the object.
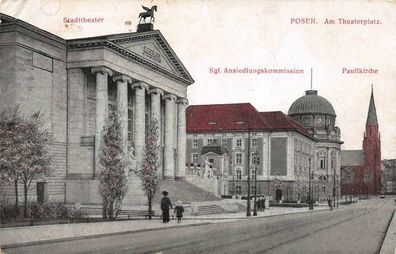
(76, 83)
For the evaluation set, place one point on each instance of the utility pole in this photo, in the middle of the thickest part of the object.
(334, 187)
(248, 212)
(309, 186)
(256, 161)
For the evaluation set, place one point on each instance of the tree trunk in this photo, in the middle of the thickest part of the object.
(149, 207)
(104, 212)
(16, 197)
(25, 192)
(111, 209)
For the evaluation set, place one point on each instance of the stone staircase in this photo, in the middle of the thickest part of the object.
(241, 208)
(210, 209)
(184, 191)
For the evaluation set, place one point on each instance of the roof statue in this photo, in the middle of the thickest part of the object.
(149, 13)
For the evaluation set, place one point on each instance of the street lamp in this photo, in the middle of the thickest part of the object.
(309, 185)
(256, 162)
(248, 212)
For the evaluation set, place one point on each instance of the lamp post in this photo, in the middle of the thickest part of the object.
(256, 162)
(248, 212)
(309, 186)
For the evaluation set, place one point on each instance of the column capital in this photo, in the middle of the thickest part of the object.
(140, 85)
(157, 91)
(182, 101)
(102, 70)
(170, 97)
(123, 78)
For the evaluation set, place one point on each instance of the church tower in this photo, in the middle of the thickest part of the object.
(372, 147)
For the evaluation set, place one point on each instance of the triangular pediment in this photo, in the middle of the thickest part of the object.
(151, 51)
(153, 48)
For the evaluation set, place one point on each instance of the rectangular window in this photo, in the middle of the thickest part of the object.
(130, 124)
(195, 158)
(254, 141)
(238, 158)
(253, 188)
(238, 189)
(239, 174)
(195, 143)
(239, 142)
(210, 141)
(224, 142)
(322, 163)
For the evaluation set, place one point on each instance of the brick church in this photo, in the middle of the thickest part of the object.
(360, 169)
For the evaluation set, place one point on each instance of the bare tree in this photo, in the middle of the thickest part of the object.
(149, 169)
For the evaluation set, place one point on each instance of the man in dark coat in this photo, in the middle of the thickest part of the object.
(165, 206)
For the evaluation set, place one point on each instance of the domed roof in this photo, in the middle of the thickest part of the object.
(311, 103)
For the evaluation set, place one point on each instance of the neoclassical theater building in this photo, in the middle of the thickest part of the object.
(76, 83)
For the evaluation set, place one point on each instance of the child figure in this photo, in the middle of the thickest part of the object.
(179, 210)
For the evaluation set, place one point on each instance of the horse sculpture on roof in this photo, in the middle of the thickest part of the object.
(149, 13)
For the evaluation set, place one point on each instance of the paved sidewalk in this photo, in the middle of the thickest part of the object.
(389, 244)
(20, 236)
(273, 211)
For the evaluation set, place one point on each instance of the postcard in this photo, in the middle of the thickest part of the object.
(212, 126)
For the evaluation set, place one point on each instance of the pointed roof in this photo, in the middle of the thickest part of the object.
(372, 112)
(237, 117)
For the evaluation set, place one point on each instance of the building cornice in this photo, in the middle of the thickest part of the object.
(111, 42)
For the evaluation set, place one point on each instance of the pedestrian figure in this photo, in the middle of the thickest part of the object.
(258, 204)
(262, 201)
(179, 210)
(329, 201)
(165, 206)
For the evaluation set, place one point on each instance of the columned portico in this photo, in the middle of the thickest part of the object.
(140, 119)
(181, 138)
(147, 78)
(169, 160)
(122, 106)
(102, 74)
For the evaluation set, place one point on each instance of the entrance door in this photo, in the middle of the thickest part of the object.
(40, 192)
(278, 195)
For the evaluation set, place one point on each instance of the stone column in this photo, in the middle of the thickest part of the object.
(122, 106)
(181, 138)
(102, 74)
(140, 119)
(169, 163)
(156, 94)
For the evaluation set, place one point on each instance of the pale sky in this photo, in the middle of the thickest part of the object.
(259, 34)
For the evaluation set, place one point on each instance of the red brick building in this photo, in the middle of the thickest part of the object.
(360, 169)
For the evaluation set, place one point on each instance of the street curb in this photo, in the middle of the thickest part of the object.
(8, 246)
(388, 237)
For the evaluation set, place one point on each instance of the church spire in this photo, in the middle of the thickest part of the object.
(372, 113)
